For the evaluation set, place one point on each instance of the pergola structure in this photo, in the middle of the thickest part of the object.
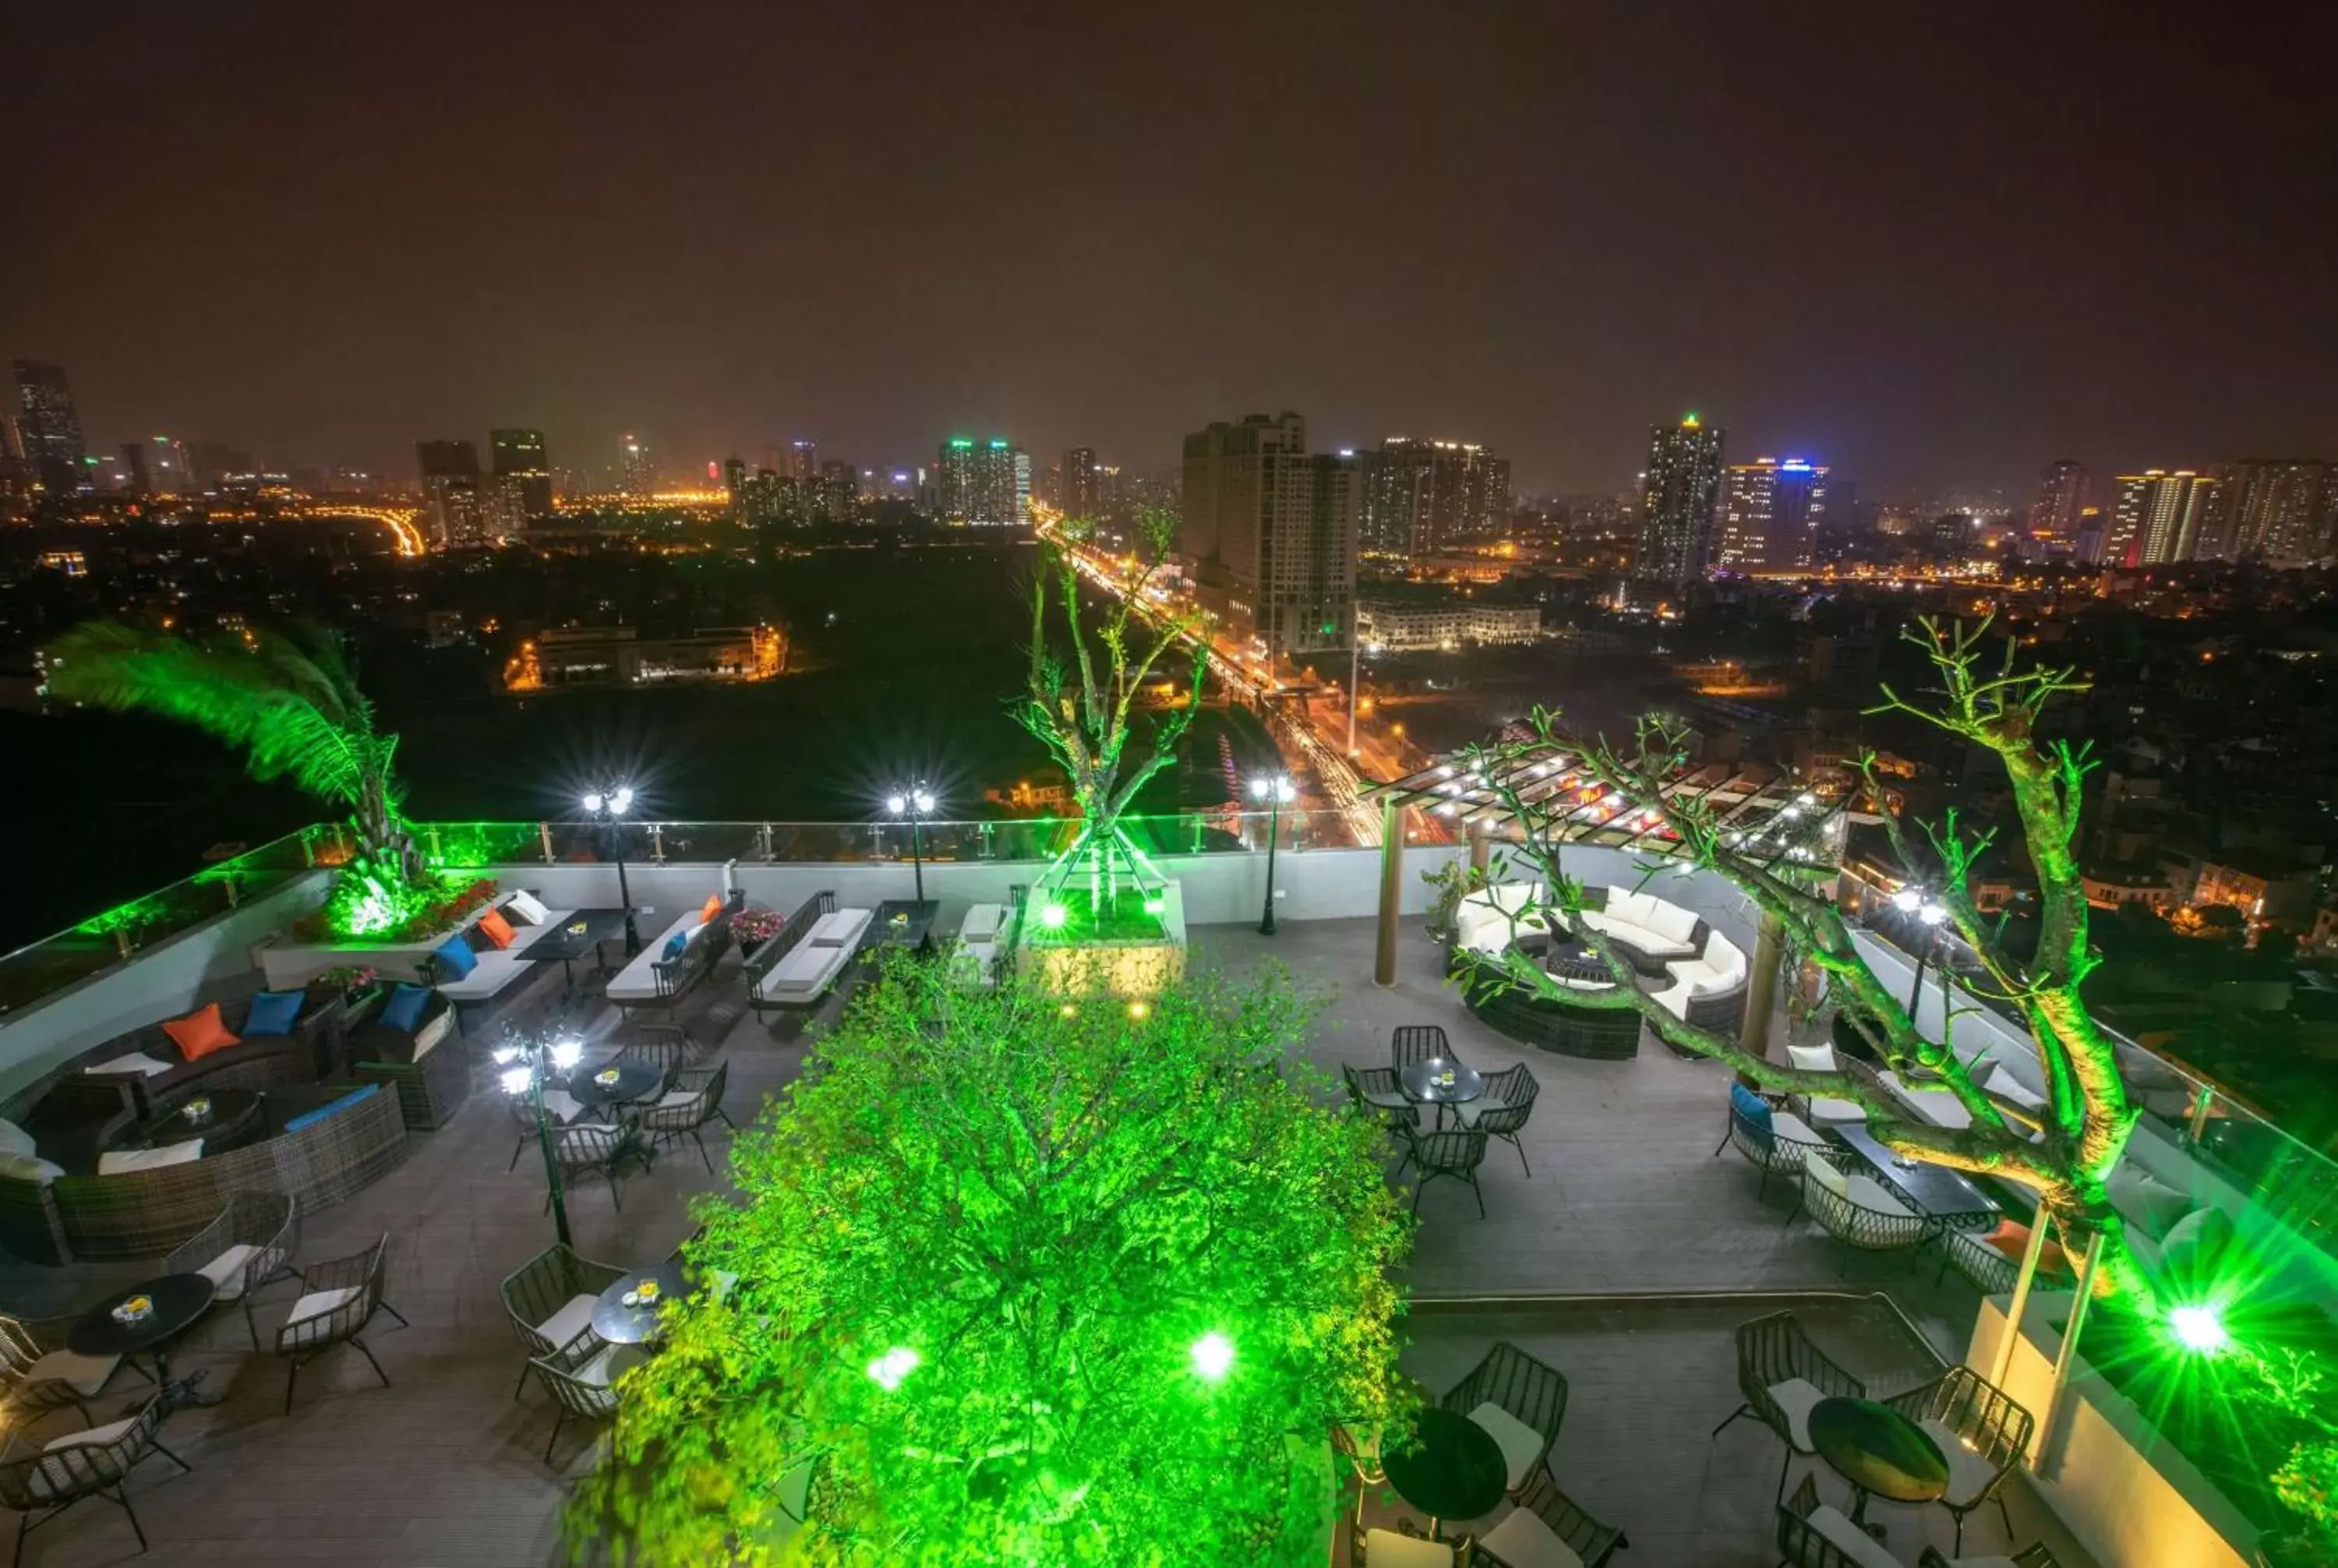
(1760, 805)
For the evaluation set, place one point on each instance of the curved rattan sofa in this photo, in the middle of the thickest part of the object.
(1545, 1023)
(1703, 973)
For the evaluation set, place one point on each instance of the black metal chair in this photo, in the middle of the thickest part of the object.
(1376, 1093)
(691, 1100)
(38, 1374)
(560, 1108)
(1857, 1225)
(2036, 1555)
(583, 1378)
(592, 1148)
(668, 1057)
(1772, 1150)
(341, 1299)
(41, 1485)
(1801, 1542)
(1503, 1110)
(1531, 1395)
(1980, 1429)
(250, 1245)
(1411, 1043)
(1781, 1375)
(1456, 1151)
(1545, 1510)
(550, 1299)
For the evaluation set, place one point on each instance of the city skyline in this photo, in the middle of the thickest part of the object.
(1876, 308)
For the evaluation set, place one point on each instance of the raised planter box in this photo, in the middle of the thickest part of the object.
(1129, 970)
(2124, 1491)
(292, 968)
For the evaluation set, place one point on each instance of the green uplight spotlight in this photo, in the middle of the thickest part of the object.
(888, 1369)
(1053, 916)
(1154, 905)
(1213, 1356)
(2199, 1330)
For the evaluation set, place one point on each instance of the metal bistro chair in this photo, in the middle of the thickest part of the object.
(93, 1464)
(1857, 1211)
(250, 1245)
(559, 1105)
(1503, 1110)
(1412, 1043)
(1811, 1534)
(550, 1299)
(592, 1149)
(582, 1377)
(667, 1057)
(1376, 1093)
(1979, 1430)
(2036, 1555)
(1776, 1141)
(1456, 1151)
(1519, 1401)
(340, 1300)
(35, 1379)
(691, 1101)
(1546, 1514)
(1781, 1375)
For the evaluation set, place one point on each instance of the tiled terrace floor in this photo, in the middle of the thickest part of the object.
(444, 1467)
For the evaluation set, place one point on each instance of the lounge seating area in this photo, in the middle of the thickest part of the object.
(796, 971)
(1684, 964)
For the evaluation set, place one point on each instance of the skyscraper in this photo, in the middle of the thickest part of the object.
(459, 513)
(48, 431)
(1274, 532)
(1082, 483)
(803, 460)
(1770, 514)
(2061, 501)
(2281, 510)
(524, 470)
(982, 484)
(636, 474)
(133, 466)
(839, 491)
(1678, 495)
(1423, 496)
(2160, 518)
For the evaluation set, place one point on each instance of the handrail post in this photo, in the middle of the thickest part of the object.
(763, 837)
(2198, 1122)
(543, 836)
(657, 842)
(2048, 1418)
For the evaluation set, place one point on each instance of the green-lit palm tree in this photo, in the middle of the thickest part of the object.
(291, 702)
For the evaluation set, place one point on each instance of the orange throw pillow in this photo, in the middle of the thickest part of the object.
(498, 928)
(200, 1033)
(2012, 1238)
(713, 907)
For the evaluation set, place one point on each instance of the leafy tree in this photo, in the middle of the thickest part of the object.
(290, 702)
(976, 1250)
(1083, 710)
(2063, 1153)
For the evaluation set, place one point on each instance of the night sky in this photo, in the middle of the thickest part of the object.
(1935, 245)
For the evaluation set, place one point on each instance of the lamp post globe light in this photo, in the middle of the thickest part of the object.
(1931, 916)
(527, 1061)
(916, 803)
(1276, 790)
(606, 807)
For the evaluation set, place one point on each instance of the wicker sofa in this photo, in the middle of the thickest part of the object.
(429, 1068)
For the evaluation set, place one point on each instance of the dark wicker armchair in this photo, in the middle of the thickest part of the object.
(250, 1245)
(550, 1299)
(1520, 1401)
(1980, 1429)
(1546, 1512)
(583, 1378)
(1456, 1151)
(1376, 1093)
(1411, 1043)
(1781, 1375)
(38, 1374)
(341, 1299)
(2036, 1555)
(1503, 1110)
(691, 1100)
(1802, 1541)
(429, 1091)
(93, 1464)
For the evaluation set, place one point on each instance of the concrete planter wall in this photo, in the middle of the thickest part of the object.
(1127, 970)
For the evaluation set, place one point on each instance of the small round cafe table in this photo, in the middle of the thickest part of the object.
(1453, 1470)
(178, 1301)
(620, 1322)
(1878, 1451)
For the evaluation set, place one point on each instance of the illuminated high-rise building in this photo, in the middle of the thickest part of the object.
(48, 430)
(168, 465)
(1680, 493)
(1080, 484)
(461, 510)
(1274, 532)
(1424, 496)
(2280, 510)
(1771, 510)
(2161, 518)
(523, 471)
(2060, 502)
(982, 484)
(803, 461)
(838, 490)
(636, 474)
(133, 468)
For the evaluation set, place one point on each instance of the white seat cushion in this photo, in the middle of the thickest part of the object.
(98, 1436)
(226, 1271)
(1968, 1472)
(30, 1167)
(137, 1062)
(2002, 1083)
(675, 1099)
(1827, 1108)
(1520, 1443)
(1869, 1193)
(1793, 1398)
(982, 922)
(1810, 1058)
(576, 1315)
(635, 981)
(1851, 1541)
(1726, 961)
(1786, 1125)
(803, 972)
(1670, 921)
(84, 1374)
(1523, 1541)
(15, 1140)
(113, 1162)
(1630, 908)
(531, 908)
(1387, 1549)
(1940, 1107)
(562, 1104)
(609, 1365)
(840, 928)
(317, 1303)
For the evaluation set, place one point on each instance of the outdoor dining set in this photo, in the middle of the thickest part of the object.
(1425, 1074)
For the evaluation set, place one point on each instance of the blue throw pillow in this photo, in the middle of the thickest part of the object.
(309, 1118)
(272, 1013)
(1750, 1105)
(456, 956)
(676, 943)
(403, 1011)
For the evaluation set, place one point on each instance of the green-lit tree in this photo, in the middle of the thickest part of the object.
(1030, 1283)
(2062, 1153)
(290, 702)
(1085, 709)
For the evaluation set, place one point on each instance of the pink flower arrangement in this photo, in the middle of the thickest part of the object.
(756, 925)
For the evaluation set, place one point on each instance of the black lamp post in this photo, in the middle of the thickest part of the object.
(1275, 788)
(606, 806)
(527, 1061)
(916, 803)
(1930, 915)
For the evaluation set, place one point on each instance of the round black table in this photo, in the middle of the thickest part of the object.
(1454, 1469)
(1420, 1085)
(179, 1300)
(634, 1080)
(620, 1324)
(1878, 1451)
(234, 1119)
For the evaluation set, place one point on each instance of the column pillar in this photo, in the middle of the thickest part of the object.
(1481, 849)
(1762, 985)
(1391, 889)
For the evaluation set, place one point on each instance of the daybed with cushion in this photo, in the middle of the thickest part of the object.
(482, 958)
(403, 1039)
(1709, 989)
(667, 970)
(982, 936)
(795, 970)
